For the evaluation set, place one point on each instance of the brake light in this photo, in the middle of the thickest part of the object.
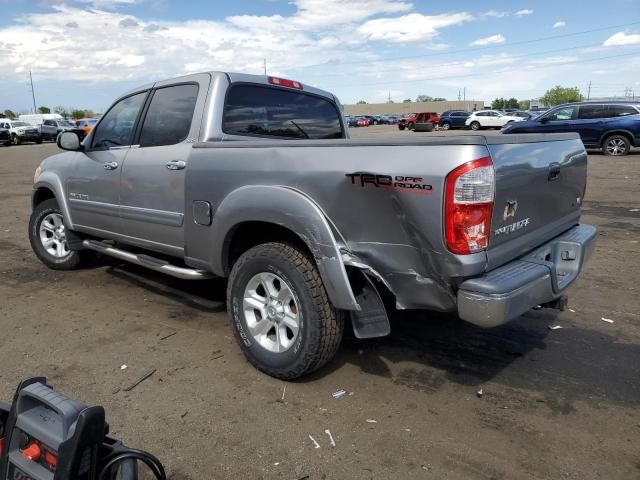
(468, 205)
(283, 82)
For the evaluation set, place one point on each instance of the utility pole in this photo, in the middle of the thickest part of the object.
(33, 95)
(265, 66)
(389, 98)
(589, 91)
(458, 94)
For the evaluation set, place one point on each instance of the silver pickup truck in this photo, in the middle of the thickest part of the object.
(254, 179)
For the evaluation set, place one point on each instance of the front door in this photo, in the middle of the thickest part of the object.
(93, 187)
(559, 121)
(152, 189)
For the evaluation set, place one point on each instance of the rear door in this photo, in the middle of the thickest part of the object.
(589, 124)
(539, 189)
(152, 195)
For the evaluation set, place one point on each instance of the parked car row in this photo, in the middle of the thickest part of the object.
(39, 127)
(366, 120)
(613, 127)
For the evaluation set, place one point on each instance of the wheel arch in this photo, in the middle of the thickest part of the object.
(625, 133)
(49, 186)
(285, 214)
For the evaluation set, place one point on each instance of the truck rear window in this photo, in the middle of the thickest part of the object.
(254, 110)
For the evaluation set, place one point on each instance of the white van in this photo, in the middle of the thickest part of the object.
(37, 119)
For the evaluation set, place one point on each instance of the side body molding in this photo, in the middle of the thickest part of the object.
(291, 209)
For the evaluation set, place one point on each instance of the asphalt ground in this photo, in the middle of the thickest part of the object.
(555, 404)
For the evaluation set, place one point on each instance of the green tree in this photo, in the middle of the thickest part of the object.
(361, 102)
(424, 98)
(407, 100)
(524, 104)
(439, 99)
(77, 114)
(558, 95)
(9, 114)
(498, 103)
(512, 103)
(44, 109)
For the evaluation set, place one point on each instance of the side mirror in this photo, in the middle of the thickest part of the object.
(69, 141)
(544, 120)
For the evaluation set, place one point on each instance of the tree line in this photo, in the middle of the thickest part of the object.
(552, 97)
(73, 113)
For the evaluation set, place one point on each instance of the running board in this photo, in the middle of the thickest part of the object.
(146, 261)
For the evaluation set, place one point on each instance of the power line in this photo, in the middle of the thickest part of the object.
(488, 47)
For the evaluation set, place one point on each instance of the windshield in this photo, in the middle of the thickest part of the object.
(65, 123)
(20, 124)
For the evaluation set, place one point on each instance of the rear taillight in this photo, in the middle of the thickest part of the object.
(468, 204)
(283, 82)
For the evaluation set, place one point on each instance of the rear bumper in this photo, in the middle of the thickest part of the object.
(539, 277)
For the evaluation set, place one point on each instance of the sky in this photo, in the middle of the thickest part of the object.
(84, 53)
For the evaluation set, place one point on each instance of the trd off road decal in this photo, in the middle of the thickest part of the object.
(399, 183)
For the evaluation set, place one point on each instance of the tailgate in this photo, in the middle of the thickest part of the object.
(540, 181)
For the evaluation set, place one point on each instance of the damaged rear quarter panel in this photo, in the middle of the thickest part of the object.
(392, 229)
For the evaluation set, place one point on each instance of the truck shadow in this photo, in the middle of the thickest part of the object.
(426, 351)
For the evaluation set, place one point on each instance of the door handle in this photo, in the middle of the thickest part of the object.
(111, 165)
(554, 171)
(176, 164)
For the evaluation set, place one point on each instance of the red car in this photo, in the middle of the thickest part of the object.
(363, 122)
(410, 121)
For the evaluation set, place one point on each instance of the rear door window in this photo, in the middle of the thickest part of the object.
(253, 110)
(588, 112)
(621, 110)
(168, 119)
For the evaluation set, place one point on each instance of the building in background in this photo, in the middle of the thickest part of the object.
(412, 107)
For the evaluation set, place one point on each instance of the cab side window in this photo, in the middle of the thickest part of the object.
(116, 128)
(589, 112)
(168, 119)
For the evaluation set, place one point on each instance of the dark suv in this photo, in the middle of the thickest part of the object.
(612, 126)
(453, 119)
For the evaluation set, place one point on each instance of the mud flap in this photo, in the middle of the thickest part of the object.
(372, 320)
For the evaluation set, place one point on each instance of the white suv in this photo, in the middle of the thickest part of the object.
(489, 119)
(21, 131)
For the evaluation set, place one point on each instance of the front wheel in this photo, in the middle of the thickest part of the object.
(400, 127)
(411, 125)
(445, 125)
(47, 234)
(616, 145)
(15, 139)
(475, 125)
(280, 311)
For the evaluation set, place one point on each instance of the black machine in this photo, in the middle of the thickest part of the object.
(47, 436)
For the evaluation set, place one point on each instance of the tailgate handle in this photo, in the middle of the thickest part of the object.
(554, 171)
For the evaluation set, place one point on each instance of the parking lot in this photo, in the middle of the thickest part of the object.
(555, 403)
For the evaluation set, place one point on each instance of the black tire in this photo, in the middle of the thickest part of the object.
(446, 126)
(15, 139)
(616, 146)
(400, 127)
(39, 141)
(411, 125)
(7, 143)
(73, 260)
(320, 325)
(475, 125)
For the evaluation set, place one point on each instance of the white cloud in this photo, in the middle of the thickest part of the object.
(493, 39)
(559, 24)
(526, 11)
(621, 38)
(414, 27)
(495, 14)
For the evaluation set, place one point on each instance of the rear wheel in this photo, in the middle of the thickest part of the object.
(475, 126)
(47, 234)
(616, 145)
(400, 127)
(280, 311)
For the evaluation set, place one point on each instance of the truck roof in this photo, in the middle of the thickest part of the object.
(234, 77)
